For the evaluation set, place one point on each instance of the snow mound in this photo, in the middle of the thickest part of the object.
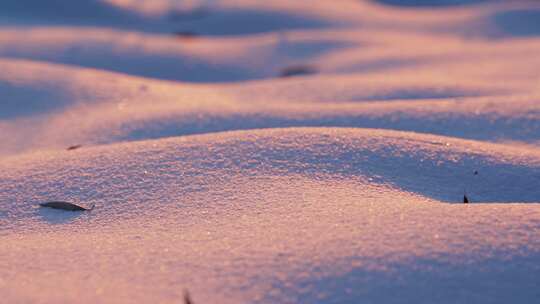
(65, 106)
(437, 167)
(285, 215)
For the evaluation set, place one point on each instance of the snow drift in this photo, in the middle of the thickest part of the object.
(210, 171)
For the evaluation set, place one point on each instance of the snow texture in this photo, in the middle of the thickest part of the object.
(213, 173)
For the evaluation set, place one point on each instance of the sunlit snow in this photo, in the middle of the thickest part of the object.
(212, 172)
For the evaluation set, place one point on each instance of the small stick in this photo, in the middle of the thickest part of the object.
(465, 198)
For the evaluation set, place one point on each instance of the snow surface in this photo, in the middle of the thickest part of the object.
(213, 174)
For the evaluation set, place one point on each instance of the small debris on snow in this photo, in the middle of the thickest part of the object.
(74, 147)
(188, 35)
(65, 206)
(187, 298)
(297, 70)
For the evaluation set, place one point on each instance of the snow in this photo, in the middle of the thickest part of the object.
(211, 173)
